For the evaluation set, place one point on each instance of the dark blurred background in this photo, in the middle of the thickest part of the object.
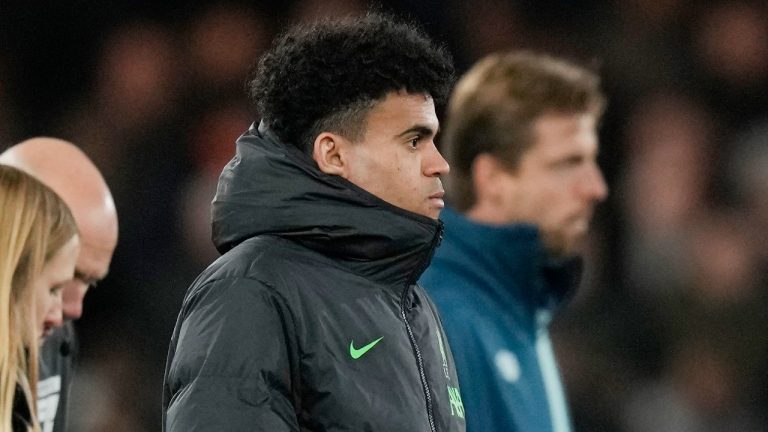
(668, 332)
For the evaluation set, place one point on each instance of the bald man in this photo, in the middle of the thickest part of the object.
(71, 174)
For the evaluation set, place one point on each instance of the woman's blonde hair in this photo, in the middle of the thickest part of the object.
(34, 224)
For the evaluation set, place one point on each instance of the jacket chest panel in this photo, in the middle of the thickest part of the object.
(357, 364)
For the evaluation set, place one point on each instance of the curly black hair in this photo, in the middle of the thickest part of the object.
(326, 76)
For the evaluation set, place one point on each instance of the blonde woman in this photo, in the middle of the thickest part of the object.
(38, 249)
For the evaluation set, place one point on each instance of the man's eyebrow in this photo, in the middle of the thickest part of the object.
(421, 130)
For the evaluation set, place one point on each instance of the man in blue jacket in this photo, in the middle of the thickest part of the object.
(522, 144)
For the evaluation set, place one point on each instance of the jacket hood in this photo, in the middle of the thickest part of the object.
(270, 188)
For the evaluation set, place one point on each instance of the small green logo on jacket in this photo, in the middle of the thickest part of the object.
(457, 406)
(356, 353)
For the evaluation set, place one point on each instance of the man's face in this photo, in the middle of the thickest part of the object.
(64, 168)
(92, 266)
(557, 182)
(397, 159)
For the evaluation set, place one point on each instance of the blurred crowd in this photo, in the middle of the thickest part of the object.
(668, 331)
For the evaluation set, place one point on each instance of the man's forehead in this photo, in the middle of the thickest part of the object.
(557, 125)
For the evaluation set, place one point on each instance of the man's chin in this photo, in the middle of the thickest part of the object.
(567, 248)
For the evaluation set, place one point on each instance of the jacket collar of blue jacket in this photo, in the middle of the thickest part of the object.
(514, 256)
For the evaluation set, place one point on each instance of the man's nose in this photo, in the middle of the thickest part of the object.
(435, 164)
(74, 293)
(595, 188)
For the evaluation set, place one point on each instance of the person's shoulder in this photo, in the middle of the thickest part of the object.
(270, 258)
(447, 275)
(262, 266)
(254, 258)
(457, 289)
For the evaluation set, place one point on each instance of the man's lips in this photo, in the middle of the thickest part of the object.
(437, 199)
(582, 220)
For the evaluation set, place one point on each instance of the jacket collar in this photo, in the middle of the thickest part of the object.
(271, 188)
(514, 259)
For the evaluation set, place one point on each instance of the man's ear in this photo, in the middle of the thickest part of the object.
(486, 173)
(328, 153)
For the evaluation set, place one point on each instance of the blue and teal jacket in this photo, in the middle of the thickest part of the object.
(496, 291)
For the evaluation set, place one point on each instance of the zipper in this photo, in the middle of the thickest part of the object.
(419, 360)
(436, 240)
(422, 375)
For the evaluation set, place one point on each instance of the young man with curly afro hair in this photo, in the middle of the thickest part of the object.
(326, 216)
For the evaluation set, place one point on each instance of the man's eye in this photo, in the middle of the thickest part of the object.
(570, 161)
(89, 282)
(56, 289)
(415, 142)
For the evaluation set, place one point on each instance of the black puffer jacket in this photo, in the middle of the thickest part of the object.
(311, 320)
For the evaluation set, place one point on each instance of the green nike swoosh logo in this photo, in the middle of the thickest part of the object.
(357, 353)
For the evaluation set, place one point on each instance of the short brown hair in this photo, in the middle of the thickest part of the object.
(495, 104)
